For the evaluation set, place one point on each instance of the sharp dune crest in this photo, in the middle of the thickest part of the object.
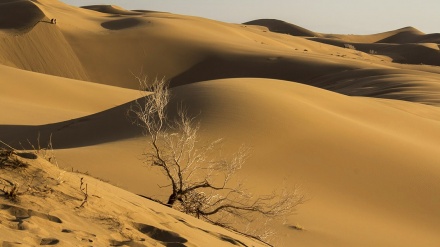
(43, 49)
(111, 9)
(400, 36)
(279, 26)
(46, 99)
(196, 58)
(354, 120)
(19, 16)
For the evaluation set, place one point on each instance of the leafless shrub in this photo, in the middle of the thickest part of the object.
(26, 179)
(350, 46)
(201, 184)
(9, 158)
(46, 152)
(10, 191)
(83, 189)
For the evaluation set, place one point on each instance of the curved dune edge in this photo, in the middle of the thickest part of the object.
(111, 9)
(408, 53)
(279, 26)
(399, 36)
(360, 170)
(190, 49)
(357, 131)
(121, 24)
(20, 16)
(52, 214)
(404, 45)
(29, 98)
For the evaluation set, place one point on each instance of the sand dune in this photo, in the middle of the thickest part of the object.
(121, 24)
(294, 122)
(31, 98)
(406, 34)
(405, 45)
(109, 217)
(16, 16)
(160, 46)
(410, 35)
(384, 83)
(43, 48)
(359, 132)
(299, 135)
(420, 53)
(111, 9)
(399, 36)
(279, 26)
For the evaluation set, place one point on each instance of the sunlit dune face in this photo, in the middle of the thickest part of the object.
(350, 121)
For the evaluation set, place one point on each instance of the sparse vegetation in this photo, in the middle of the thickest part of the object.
(45, 152)
(83, 189)
(350, 46)
(26, 179)
(9, 160)
(10, 191)
(201, 183)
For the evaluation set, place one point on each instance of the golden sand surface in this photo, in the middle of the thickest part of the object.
(353, 120)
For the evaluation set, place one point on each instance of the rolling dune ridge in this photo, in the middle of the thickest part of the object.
(357, 130)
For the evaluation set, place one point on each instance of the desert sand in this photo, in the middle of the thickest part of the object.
(357, 130)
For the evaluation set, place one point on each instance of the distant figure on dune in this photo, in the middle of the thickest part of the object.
(53, 21)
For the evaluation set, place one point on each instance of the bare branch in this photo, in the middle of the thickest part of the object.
(84, 192)
(203, 184)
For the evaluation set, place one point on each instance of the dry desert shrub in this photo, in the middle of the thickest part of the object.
(350, 46)
(200, 182)
(10, 161)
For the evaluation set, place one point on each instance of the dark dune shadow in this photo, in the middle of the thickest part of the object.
(231, 240)
(340, 78)
(121, 24)
(168, 237)
(49, 241)
(280, 26)
(175, 245)
(107, 126)
(239, 66)
(111, 9)
(130, 243)
(27, 155)
(19, 15)
(22, 213)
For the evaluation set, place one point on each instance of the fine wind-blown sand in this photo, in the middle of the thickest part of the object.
(357, 131)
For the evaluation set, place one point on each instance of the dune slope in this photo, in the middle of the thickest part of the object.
(51, 209)
(42, 49)
(18, 16)
(357, 129)
(160, 46)
(29, 98)
(279, 26)
(352, 165)
(111, 9)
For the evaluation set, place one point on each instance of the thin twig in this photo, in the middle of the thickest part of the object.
(84, 191)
